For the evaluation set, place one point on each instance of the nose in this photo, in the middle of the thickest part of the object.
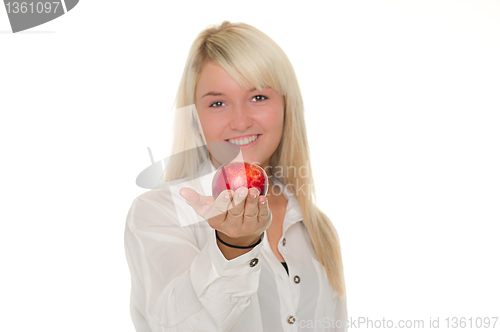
(241, 118)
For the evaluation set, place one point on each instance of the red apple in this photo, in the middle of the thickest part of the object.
(238, 174)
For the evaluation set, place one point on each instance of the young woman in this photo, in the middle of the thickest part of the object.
(241, 262)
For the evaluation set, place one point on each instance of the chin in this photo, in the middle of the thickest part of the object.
(252, 160)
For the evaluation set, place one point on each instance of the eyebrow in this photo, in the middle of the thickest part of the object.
(212, 93)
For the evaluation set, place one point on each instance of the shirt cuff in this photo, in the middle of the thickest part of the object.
(211, 264)
(240, 265)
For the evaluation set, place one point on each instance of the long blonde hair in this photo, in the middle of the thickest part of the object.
(254, 59)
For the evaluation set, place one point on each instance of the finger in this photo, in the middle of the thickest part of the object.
(190, 195)
(203, 205)
(265, 215)
(251, 205)
(235, 214)
(218, 211)
(200, 204)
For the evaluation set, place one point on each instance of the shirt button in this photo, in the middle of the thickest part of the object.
(254, 262)
(296, 279)
(284, 241)
(290, 320)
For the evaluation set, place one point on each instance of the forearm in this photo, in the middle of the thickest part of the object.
(176, 287)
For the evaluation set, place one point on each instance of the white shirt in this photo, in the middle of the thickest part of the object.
(181, 281)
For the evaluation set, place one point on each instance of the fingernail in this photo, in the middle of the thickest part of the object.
(243, 192)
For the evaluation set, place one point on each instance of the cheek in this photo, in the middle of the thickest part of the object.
(273, 122)
(212, 127)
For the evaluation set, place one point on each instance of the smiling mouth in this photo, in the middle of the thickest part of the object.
(243, 142)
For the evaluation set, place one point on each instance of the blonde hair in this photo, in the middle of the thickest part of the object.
(254, 59)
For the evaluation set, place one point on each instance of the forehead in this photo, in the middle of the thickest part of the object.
(213, 77)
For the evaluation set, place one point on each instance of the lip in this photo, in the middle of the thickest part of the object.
(246, 145)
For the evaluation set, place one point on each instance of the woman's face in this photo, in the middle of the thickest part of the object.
(235, 115)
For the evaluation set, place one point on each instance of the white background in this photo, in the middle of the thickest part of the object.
(402, 109)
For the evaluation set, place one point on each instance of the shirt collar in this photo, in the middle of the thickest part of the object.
(293, 213)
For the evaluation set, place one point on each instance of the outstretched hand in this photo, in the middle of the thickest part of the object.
(242, 214)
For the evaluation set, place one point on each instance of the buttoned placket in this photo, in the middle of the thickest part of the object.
(291, 281)
(289, 296)
(288, 287)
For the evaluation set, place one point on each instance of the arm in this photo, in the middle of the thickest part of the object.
(341, 314)
(175, 285)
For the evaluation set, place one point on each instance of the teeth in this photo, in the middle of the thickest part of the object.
(243, 142)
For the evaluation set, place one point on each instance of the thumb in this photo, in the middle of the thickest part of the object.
(190, 195)
(200, 204)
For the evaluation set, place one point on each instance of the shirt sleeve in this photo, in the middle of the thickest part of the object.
(176, 286)
(341, 314)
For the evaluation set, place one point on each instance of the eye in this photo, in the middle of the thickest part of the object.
(259, 98)
(217, 104)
